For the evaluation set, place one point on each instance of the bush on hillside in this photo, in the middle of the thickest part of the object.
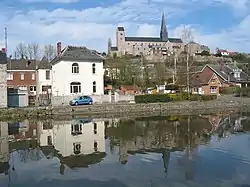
(197, 97)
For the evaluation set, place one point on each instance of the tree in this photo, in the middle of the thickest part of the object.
(49, 52)
(33, 51)
(187, 35)
(21, 50)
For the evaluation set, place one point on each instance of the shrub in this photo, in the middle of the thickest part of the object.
(244, 92)
(152, 98)
(197, 97)
(229, 90)
(179, 96)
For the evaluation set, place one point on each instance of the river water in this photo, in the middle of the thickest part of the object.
(204, 150)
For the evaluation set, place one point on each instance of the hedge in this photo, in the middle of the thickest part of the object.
(157, 98)
(229, 90)
(152, 98)
(244, 92)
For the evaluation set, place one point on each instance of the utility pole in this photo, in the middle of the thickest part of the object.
(188, 89)
(6, 40)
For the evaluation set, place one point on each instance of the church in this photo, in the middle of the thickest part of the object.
(146, 46)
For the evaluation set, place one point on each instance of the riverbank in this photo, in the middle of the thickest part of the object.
(115, 110)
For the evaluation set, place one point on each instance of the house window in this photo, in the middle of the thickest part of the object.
(23, 88)
(94, 87)
(196, 90)
(95, 128)
(75, 87)
(77, 148)
(213, 89)
(76, 129)
(22, 76)
(10, 76)
(49, 140)
(95, 146)
(32, 88)
(47, 75)
(75, 68)
(33, 76)
(93, 68)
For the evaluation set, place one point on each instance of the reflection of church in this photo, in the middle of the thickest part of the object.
(77, 143)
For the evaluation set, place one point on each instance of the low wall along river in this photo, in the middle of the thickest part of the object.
(116, 110)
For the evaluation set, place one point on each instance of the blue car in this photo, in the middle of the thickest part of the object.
(81, 100)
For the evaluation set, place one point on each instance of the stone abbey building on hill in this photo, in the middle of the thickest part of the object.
(147, 46)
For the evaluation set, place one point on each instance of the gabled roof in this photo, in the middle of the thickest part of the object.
(3, 58)
(76, 53)
(226, 71)
(21, 64)
(44, 64)
(151, 39)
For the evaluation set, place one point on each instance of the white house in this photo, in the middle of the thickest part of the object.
(43, 77)
(74, 137)
(77, 71)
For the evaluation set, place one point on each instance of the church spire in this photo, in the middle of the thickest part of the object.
(164, 32)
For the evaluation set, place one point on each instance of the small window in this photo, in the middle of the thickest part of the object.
(93, 68)
(95, 128)
(95, 146)
(32, 88)
(22, 76)
(47, 75)
(77, 148)
(10, 76)
(33, 76)
(94, 87)
(49, 140)
(213, 89)
(75, 68)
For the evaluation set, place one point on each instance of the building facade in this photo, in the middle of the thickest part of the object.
(163, 45)
(43, 77)
(3, 79)
(77, 71)
(193, 48)
(21, 74)
(213, 77)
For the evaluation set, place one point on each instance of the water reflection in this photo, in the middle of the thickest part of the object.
(174, 150)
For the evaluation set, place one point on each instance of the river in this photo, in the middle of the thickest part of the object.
(204, 150)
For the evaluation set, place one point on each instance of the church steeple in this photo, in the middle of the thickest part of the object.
(164, 32)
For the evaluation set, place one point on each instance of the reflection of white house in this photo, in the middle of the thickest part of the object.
(4, 144)
(73, 137)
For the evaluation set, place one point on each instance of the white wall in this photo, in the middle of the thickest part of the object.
(63, 140)
(3, 85)
(41, 80)
(62, 77)
(4, 144)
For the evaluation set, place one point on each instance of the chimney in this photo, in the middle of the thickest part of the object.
(27, 62)
(3, 50)
(59, 48)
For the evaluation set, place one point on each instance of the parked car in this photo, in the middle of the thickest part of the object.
(81, 100)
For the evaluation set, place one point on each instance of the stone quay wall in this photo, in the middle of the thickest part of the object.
(117, 110)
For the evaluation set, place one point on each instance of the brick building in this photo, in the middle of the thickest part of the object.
(21, 74)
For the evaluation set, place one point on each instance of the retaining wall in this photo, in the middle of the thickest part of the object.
(123, 109)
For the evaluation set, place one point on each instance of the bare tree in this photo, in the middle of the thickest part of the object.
(21, 50)
(187, 34)
(49, 52)
(33, 51)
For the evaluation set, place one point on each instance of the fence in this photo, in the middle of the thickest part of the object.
(64, 100)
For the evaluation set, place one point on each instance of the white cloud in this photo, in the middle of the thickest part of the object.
(92, 27)
(50, 1)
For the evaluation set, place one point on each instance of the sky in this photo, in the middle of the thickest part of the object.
(216, 23)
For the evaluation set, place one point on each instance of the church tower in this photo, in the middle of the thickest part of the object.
(164, 32)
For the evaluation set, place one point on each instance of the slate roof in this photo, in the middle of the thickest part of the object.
(20, 64)
(75, 53)
(228, 71)
(44, 64)
(151, 39)
(3, 58)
